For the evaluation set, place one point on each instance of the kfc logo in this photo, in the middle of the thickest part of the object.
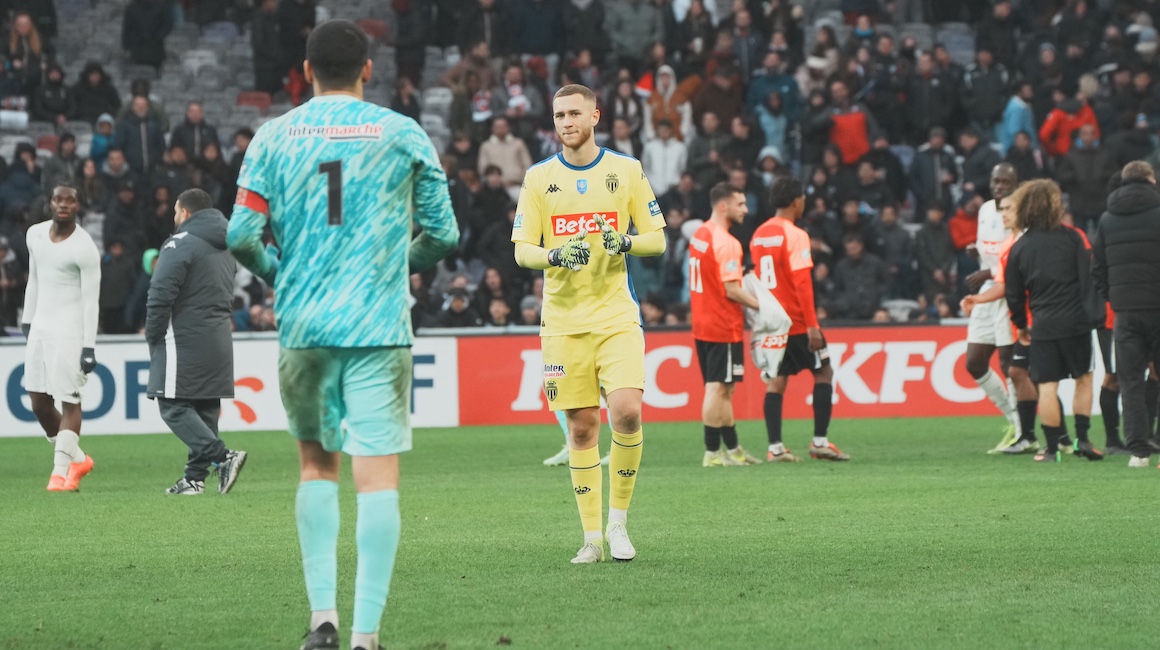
(565, 225)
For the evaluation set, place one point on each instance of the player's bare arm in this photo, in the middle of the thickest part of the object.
(735, 292)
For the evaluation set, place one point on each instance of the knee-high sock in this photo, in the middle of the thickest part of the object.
(1110, 406)
(823, 408)
(623, 465)
(1027, 409)
(377, 536)
(67, 451)
(1062, 415)
(562, 418)
(1083, 423)
(996, 391)
(773, 404)
(587, 483)
(316, 510)
(729, 437)
(712, 439)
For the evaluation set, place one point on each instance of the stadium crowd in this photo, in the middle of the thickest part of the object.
(892, 112)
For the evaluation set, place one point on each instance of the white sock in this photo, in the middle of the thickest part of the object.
(778, 448)
(66, 452)
(821, 441)
(592, 536)
(996, 390)
(324, 616)
(363, 640)
(616, 514)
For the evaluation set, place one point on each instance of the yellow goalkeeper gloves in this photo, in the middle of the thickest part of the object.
(573, 254)
(615, 243)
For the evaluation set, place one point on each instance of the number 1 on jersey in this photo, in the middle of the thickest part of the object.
(333, 171)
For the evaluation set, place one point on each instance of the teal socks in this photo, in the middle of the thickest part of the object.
(377, 535)
(316, 510)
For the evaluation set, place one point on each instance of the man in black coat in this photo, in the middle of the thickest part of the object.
(188, 328)
(145, 25)
(1125, 270)
(194, 133)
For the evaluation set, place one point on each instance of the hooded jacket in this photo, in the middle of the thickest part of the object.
(187, 322)
(1058, 131)
(94, 101)
(1125, 262)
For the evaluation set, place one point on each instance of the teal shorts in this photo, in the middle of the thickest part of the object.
(354, 400)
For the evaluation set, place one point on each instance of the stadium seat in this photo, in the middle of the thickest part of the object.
(194, 60)
(257, 99)
(922, 32)
(79, 128)
(140, 72)
(37, 130)
(375, 28)
(222, 33)
(900, 310)
(48, 143)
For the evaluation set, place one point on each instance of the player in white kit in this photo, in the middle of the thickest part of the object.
(60, 322)
(989, 328)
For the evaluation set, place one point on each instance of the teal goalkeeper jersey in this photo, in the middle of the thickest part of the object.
(340, 181)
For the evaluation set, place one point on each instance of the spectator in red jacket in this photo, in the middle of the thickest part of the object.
(1058, 132)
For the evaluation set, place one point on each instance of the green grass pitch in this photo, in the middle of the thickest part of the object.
(922, 541)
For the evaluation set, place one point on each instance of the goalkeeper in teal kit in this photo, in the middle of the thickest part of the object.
(340, 182)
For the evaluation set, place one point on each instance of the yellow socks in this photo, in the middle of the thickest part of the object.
(587, 483)
(623, 464)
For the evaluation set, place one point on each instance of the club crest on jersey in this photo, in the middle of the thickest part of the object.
(582, 186)
(612, 183)
(571, 224)
(554, 371)
(551, 390)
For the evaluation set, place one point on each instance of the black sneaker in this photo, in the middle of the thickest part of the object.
(186, 487)
(229, 469)
(1117, 448)
(323, 637)
(1086, 450)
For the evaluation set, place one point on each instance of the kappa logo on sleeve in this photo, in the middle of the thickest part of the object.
(654, 208)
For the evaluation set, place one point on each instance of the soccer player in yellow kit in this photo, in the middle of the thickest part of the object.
(590, 330)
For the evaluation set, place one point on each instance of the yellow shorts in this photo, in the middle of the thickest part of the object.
(578, 365)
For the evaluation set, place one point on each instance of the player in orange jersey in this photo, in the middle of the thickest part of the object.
(781, 255)
(715, 300)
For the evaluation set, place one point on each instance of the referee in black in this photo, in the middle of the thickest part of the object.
(1050, 268)
(1127, 274)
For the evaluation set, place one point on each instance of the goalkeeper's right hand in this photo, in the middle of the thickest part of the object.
(573, 254)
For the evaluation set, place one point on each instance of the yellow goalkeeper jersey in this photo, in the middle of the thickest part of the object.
(557, 201)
